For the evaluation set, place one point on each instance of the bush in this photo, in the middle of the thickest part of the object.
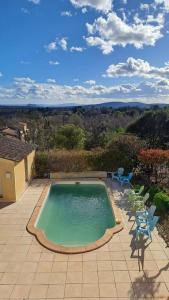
(153, 190)
(67, 161)
(122, 152)
(161, 200)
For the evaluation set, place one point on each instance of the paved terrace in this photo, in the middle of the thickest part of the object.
(122, 269)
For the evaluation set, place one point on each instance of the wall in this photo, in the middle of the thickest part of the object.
(30, 164)
(20, 183)
(20, 176)
(88, 174)
(8, 184)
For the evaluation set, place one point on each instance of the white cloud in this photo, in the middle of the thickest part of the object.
(103, 5)
(63, 43)
(1, 74)
(34, 1)
(144, 6)
(25, 11)
(50, 80)
(54, 63)
(108, 32)
(84, 10)
(24, 62)
(90, 82)
(66, 13)
(138, 67)
(52, 46)
(25, 90)
(76, 49)
(165, 4)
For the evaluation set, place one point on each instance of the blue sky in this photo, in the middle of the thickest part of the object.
(84, 51)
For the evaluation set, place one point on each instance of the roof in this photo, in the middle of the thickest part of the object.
(10, 131)
(13, 149)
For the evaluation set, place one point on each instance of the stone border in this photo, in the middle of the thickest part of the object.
(40, 235)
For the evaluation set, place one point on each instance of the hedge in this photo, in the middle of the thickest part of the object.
(161, 200)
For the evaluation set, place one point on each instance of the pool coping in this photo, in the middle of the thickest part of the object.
(42, 239)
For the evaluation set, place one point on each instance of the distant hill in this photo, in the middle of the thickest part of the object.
(114, 105)
(126, 104)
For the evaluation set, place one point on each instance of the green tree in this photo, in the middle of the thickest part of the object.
(70, 137)
(122, 152)
(153, 126)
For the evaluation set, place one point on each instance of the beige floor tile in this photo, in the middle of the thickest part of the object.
(139, 265)
(155, 246)
(73, 290)
(41, 278)
(47, 257)
(35, 248)
(89, 266)
(61, 257)
(125, 290)
(55, 291)
(150, 265)
(159, 255)
(38, 291)
(89, 256)
(32, 257)
(3, 266)
(75, 257)
(20, 292)
(117, 256)
(163, 264)
(90, 290)
(90, 277)
(75, 266)
(129, 255)
(5, 291)
(9, 278)
(119, 265)
(14, 267)
(108, 290)
(103, 256)
(57, 278)
(165, 275)
(104, 266)
(106, 276)
(167, 285)
(122, 276)
(114, 246)
(29, 267)
(44, 267)
(25, 278)
(74, 277)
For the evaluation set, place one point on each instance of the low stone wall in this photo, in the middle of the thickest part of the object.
(73, 175)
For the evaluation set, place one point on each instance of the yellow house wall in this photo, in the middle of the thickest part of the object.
(14, 187)
(30, 162)
(20, 183)
(8, 184)
(20, 177)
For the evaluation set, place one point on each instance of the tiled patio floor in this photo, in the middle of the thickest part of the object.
(122, 269)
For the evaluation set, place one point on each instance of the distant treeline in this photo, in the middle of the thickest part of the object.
(98, 126)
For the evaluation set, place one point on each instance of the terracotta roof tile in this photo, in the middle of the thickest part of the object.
(13, 149)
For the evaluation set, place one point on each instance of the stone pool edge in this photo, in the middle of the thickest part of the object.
(40, 235)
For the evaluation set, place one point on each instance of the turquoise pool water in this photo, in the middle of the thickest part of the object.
(76, 214)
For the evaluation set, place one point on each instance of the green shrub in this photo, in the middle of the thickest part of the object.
(161, 200)
(153, 190)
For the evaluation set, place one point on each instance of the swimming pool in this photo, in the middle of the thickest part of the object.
(75, 215)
